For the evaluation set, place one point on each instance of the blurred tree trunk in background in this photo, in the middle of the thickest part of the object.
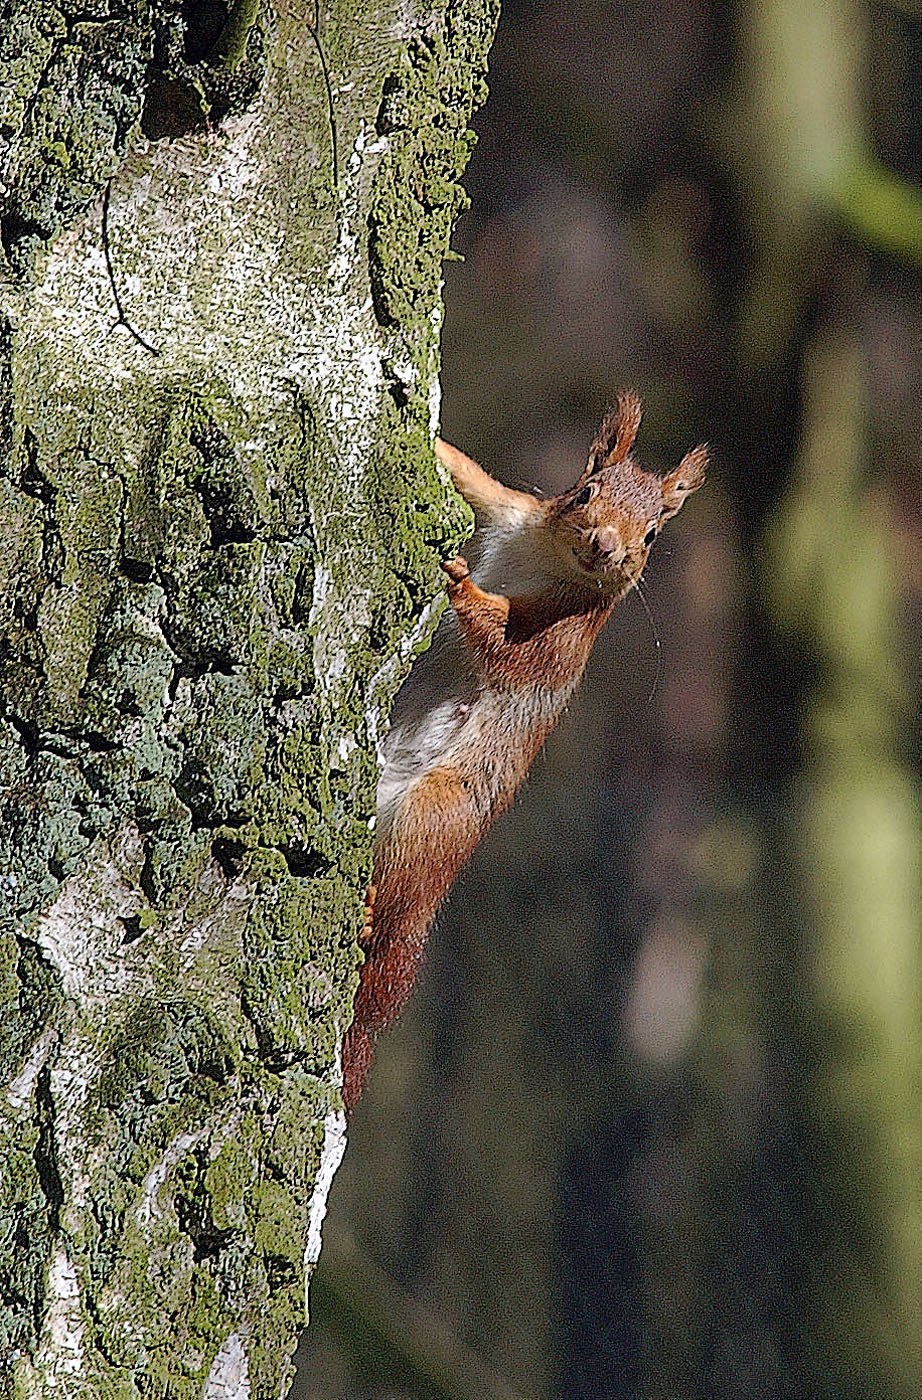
(853, 988)
(222, 234)
(842, 1027)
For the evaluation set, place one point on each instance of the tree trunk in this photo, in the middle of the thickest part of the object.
(222, 235)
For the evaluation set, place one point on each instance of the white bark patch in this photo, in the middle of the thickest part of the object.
(81, 932)
(64, 1326)
(71, 1080)
(210, 212)
(331, 1154)
(344, 370)
(19, 1090)
(83, 936)
(150, 1207)
(156, 1178)
(235, 901)
(229, 1377)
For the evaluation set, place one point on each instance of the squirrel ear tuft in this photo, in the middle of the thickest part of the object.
(615, 437)
(687, 477)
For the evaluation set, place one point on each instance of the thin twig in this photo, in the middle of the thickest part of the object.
(122, 318)
(355, 1296)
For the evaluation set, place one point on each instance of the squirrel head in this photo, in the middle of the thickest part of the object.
(605, 525)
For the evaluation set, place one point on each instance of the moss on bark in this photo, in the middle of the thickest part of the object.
(223, 524)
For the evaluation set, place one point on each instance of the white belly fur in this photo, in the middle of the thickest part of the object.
(444, 714)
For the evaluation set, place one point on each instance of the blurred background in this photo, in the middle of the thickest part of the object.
(652, 1127)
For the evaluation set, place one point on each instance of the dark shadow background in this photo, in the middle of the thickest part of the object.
(653, 1126)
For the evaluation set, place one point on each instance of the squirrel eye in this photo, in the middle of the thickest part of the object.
(582, 498)
(650, 536)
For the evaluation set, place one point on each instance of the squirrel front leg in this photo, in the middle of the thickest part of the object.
(496, 630)
(494, 503)
(482, 616)
(524, 641)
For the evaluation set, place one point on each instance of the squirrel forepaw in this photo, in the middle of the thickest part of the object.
(457, 569)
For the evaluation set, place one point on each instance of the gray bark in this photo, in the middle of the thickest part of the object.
(219, 316)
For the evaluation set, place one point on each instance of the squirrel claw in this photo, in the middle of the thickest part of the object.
(367, 926)
(457, 569)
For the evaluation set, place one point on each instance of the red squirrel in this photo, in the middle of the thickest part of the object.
(479, 704)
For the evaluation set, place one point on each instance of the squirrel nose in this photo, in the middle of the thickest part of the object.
(607, 540)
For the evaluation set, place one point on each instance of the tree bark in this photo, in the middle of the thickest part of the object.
(222, 233)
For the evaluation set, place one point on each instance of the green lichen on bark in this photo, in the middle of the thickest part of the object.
(220, 559)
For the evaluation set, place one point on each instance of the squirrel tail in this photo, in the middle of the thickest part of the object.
(357, 1049)
(392, 957)
(431, 837)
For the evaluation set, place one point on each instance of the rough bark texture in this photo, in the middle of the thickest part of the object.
(222, 522)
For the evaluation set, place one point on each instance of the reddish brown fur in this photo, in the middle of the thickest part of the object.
(522, 655)
(430, 841)
(520, 639)
(478, 488)
(617, 434)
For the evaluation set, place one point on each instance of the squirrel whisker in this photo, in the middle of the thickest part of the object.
(656, 642)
